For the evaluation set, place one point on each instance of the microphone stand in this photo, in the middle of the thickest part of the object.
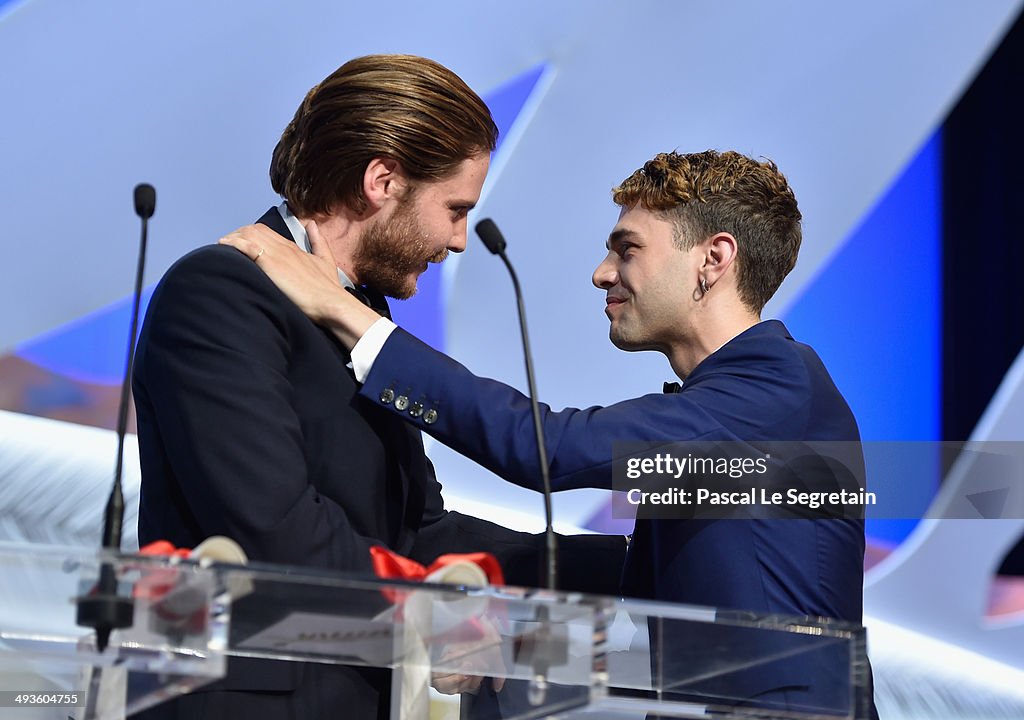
(103, 609)
(495, 242)
(545, 648)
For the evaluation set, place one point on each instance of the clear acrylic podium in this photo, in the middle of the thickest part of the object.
(552, 654)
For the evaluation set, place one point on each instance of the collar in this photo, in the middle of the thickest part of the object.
(302, 238)
(764, 330)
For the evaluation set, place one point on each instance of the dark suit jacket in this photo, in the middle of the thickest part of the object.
(761, 386)
(251, 426)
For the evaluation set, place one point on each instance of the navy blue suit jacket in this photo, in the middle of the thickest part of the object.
(760, 386)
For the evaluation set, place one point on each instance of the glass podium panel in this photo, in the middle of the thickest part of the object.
(512, 653)
(557, 653)
(656, 659)
(175, 641)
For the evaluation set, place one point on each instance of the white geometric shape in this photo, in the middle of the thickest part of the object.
(55, 478)
(938, 581)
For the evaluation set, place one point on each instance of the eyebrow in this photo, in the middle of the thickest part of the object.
(467, 204)
(617, 236)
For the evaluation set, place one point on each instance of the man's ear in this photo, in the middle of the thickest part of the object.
(383, 181)
(722, 251)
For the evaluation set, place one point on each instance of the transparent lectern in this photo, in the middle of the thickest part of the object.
(523, 653)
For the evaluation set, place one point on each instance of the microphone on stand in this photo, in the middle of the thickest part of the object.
(495, 242)
(103, 609)
(113, 519)
(547, 647)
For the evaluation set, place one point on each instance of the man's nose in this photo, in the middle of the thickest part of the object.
(605, 275)
(457, 243)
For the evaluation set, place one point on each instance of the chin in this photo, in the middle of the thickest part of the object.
(619, 342)
(627, 344)
(407, 290)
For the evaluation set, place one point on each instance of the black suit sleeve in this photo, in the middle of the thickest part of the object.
(212, 375)
(587, 563)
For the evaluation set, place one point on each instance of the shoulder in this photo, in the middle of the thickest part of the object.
(215, 272)
(210, 262)
(768, 384)
(213, 290)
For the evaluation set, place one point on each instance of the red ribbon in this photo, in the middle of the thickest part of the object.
(157, 584)
(164, 547)
(391, 565)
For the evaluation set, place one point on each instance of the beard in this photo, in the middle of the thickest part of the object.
(392, 253)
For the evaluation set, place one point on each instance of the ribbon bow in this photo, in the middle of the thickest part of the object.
(391, 565)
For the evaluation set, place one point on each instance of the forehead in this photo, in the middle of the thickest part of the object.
(640, 223)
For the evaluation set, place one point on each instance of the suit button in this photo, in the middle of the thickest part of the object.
(431, 417)
(416, 410)
(401, 402)
(387, 395)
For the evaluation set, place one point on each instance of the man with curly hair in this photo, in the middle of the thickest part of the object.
(702, 242)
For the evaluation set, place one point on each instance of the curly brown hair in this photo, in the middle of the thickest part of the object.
(710, 192)
(407, 108)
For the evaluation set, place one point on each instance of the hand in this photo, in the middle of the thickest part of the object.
(467, 663)
(310, 280)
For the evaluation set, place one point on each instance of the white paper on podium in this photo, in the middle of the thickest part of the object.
(363, 641)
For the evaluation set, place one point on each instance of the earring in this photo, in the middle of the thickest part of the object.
(704, 286)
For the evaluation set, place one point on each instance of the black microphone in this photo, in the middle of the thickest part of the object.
(113, 520)
(145, 206)
(103, 609)
(548, 645)
(492, 238)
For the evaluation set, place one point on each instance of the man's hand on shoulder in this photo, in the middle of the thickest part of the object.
(310, 280)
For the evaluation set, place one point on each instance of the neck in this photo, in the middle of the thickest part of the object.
(712, 329)
(341, 232)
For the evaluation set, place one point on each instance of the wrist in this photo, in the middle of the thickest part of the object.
(349, 321)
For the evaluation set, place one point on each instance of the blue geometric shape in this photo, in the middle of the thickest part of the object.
(91, 349)
(425, 317)
(507, 101)
(874, 314)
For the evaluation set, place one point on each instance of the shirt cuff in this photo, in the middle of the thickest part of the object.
(368, 347)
